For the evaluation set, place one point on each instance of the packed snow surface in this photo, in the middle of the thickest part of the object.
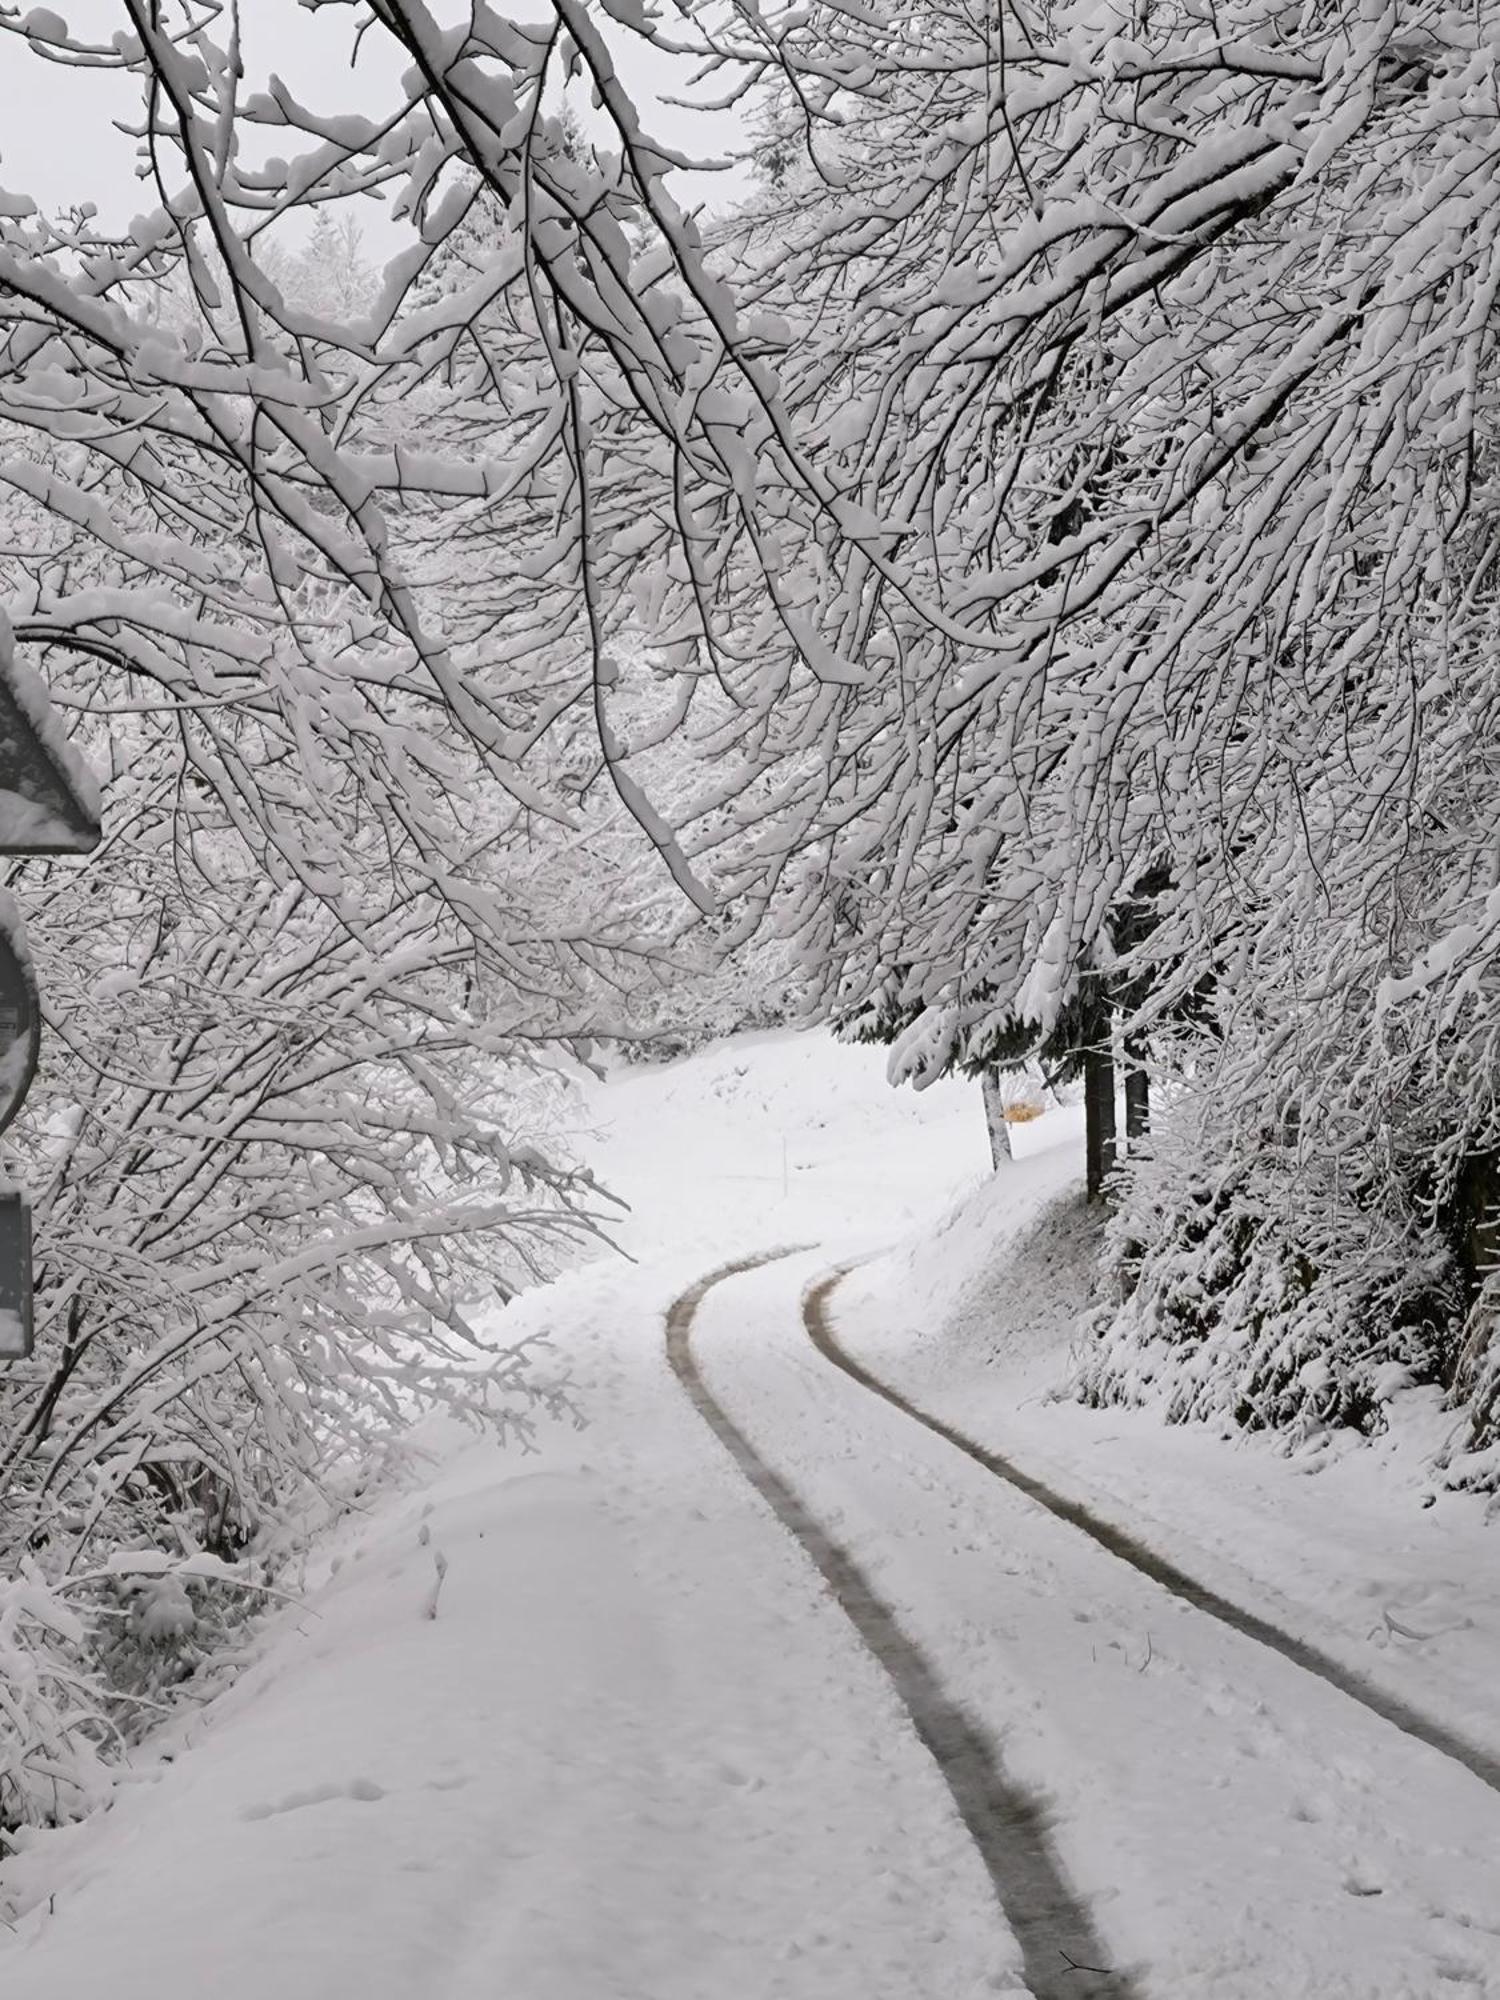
(585, 1724)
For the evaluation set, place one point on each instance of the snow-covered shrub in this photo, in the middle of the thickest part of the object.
(1258, 1279)
(1439, 1020)
(1472, 1461)
(1315, 1221)
(54, 1729)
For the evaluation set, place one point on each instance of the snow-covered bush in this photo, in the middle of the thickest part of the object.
(1438, 1022)
(283, 1148)
(1317, 1217)
(55, 1732)
(1256, 1277)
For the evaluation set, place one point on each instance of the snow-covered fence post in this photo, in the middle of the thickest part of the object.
(48, 805)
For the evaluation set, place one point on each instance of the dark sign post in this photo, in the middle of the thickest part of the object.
(44, 809)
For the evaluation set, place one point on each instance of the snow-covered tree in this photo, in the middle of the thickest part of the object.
(1149, 368)
(1074, 471)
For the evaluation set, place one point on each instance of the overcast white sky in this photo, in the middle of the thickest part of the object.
(59, 140)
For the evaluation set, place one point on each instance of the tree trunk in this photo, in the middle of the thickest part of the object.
(1098, 1095)
(1478, 1205)
(994, 1118)
(1473, 1228)
(1137, 1094)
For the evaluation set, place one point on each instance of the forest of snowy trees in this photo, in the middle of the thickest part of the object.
(1022, 579)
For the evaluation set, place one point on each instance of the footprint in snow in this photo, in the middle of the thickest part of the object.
(1456, 1973)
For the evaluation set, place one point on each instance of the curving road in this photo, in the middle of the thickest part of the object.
(1174, 1798)
(1060, 1949)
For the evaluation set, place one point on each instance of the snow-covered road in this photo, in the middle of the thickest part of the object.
(645, 1752)
(1236, 1826)
(637, 1755)
(1006, 1821)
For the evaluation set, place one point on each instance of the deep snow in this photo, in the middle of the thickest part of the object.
(638, 1753)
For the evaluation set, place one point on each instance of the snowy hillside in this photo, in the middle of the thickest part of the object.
(787, 1132)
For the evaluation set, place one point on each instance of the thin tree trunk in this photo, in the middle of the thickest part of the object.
(994, 1118)
(1474, 1231)
(1098, 1096)
(1137, 1094)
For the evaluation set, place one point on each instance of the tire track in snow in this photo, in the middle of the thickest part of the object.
(1061, 1953)
(1140, 1556)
